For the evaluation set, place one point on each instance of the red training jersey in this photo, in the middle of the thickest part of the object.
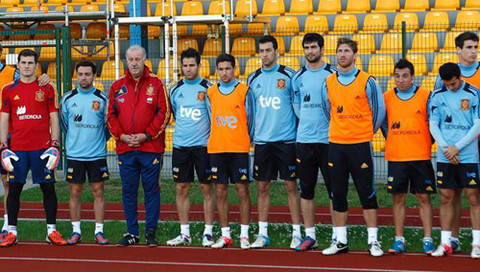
(29, 106)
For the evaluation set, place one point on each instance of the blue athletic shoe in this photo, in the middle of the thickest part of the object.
(456, 247)
(428, 246)
(398, 247)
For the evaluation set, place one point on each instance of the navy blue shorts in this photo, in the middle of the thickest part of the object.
(96, 170)
(418, 175)
(463, 175)
(230, 167)
(30, 160)
(186, 159)
(311, 157)
(273, 158)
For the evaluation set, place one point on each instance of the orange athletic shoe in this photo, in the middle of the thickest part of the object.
(9, 240)
(55, 238)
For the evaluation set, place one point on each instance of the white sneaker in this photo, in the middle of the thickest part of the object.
(207, 240)
(335, 248)
(222, 242)
(475, 251)
(244, 243)
(375, 249)
(261, 242)
(442, 250)
(296, 241)
(180, 240)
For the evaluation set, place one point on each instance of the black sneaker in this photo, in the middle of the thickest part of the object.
(128, 239)
(150, 238)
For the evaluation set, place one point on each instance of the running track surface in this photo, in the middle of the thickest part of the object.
(278, 214)
(92, 258)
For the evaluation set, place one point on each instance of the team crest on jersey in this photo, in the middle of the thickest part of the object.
(150, 90)
(465, 104)
(201, 96)
(39, 96)
(96, 105)
(281, 83)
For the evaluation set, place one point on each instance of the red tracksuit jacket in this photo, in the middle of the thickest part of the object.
(139, 107)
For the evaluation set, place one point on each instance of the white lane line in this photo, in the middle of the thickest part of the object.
(204, 264)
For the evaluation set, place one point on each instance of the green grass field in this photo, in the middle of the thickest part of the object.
(280, 234)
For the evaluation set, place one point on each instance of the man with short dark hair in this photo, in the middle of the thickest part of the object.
(455, 124)
(192, 129)
(228, 145)
(275, 125)
(408, 152)
(83, 115)
(138, 113)
(30, 109)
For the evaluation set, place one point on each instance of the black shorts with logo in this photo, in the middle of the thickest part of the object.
(463, 175)
(230, 167)
(96, 170)
(418, 175)
(186, 160)
(271, 158)
(310, 157)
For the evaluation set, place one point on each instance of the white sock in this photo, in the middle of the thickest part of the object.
(427, 239)
(185, 229)
(446, 235)
(98, 228)
(51, 228)
(296, 230)
(208, 230)
(76, 227)
(5, 222)
(310, 232)
(12, 229)
(244, 230)
(342, 234)
(475, 237)
(263, 228)
(400, 238)
(226, 232)
(372, 235)
(334, 233)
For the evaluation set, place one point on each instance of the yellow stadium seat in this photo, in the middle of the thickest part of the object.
(148, 63)
(101, 52)
(446, 5)
(205, 68)
(428, 82)
(424, 42)
(212, 47)
(419, 62)
(281, 45)
(252, 65)
(391, 83)
(449, 45)
(330, 44)
(273, 7)
(45, 36)
(387, 6)
(42, 8)
(19, 49)
(329, 6)
(472, 4)
(99, 86)
(391, 43)
(9, 3)
(77, 54)
(366, 43)
(358, 62)
(62, 8)
(296, 48)
(243, 7)
(243, 47)
(287, 25)
(436, 20)
(467, 20)
(47, 53)
(52, 71)
(108, 70)
(378, 143)
(291, 62)
(161, 73)
(235, 29)
(75, 31)
(197, 30)
(192, 8)
(57, 2)
(182, 30)
(123, 32)
(19, 36)
(375, 22)
(153, 32)
(90, 8)
(15, 9)
(345, 23)
(358, 6)
(119, 7)
(316, 24)
(410, 19)
(440, 59)
(216, 7)
(184, 44)
(381, 65)
(78, 2)
(257, 29)
(301, 7)
(168, 9)
(96, 31)
(416, 5)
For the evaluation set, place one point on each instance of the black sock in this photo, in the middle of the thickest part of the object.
(13, 203)
(49, 202)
